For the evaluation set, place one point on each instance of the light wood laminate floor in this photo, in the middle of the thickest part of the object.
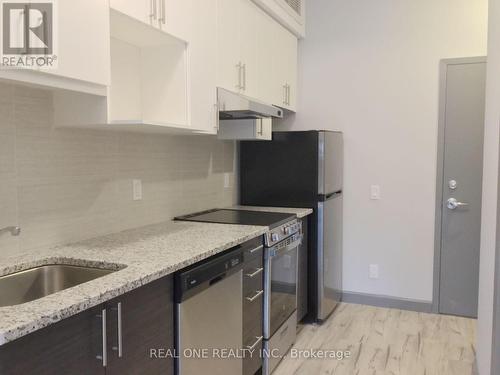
(386, 342)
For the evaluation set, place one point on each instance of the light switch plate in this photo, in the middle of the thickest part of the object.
(136, 190)
(227, 180)
(373, 271)
(375, 192)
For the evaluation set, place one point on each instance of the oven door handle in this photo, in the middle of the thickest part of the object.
(274, 251)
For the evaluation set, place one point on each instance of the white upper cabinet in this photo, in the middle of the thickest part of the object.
(172, 16)
(257, 56)
(81, 41)
(285, 67)
(270, 79)
(277, 63)
(149, 77)
(158, 63)
(203, 67)
(237, 46)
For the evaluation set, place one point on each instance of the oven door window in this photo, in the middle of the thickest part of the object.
(283, 288)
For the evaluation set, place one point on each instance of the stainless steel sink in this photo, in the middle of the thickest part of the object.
(35, 283)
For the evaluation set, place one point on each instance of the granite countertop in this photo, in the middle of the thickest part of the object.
(300, 212)
(140, 256)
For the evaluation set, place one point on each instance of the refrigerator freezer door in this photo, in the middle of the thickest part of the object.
(331, 162)
(330, 255)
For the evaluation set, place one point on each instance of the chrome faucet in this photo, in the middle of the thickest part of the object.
(14, 231)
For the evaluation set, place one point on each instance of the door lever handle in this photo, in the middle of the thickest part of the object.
(453, 204)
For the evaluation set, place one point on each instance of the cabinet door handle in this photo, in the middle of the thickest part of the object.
(254, 345)
(118, 310)
(238, 66)
(216, 110)
(162, 12)
(257, 295)
(252, 275)
(260, 127)
(256, 249)
(244, 68)
(104, 356)
(152, 8)
(284, 94)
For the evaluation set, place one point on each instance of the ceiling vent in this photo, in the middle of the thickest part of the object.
(296, 6)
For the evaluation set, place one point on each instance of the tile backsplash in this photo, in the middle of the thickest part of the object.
(62, 185)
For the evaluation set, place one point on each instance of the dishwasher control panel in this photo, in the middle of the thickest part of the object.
(207, 273)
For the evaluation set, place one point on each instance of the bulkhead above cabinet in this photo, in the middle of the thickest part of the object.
(290, 13)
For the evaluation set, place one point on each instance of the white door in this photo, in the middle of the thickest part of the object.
(228, 45)
(462, 166)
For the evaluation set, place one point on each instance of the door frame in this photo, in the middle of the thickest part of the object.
(443, 69)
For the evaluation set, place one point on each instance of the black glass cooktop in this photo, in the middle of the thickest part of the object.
(241, 217)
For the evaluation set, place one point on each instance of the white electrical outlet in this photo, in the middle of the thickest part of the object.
(136, 190)
(373, 271)
(375, 192)
(227, 180)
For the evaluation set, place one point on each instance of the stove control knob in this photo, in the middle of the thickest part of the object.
(287, 230)
(274, 237)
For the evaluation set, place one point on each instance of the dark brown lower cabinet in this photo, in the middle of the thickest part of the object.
(147, 326)
(68, 347)
(75, 345)
(253, 307)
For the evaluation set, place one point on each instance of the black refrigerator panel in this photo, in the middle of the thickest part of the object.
(282, 172)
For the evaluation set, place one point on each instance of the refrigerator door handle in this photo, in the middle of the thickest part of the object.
(326, 197)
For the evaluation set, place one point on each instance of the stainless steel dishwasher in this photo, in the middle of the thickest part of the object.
(209, 316)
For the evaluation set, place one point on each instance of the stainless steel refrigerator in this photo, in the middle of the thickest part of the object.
(303, 169)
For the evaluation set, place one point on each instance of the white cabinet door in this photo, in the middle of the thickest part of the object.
(80, 44)
(144, 10)
(290, 51)
(248, 16)
(176, 16)
(270, 90)
(286, 67)
(203, 67)
(228, 45)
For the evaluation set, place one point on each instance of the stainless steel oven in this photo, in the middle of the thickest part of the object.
(280, 303)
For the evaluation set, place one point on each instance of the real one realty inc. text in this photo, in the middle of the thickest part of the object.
(231, 353)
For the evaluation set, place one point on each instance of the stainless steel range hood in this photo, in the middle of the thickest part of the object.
(233, 106)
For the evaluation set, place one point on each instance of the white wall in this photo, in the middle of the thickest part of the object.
(371, 69)
(490, 194)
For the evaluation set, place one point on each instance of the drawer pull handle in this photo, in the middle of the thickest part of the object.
(257, 295)
(256, 249)
(254, 345)
(104, 356)
(252, 275)
(119, 348)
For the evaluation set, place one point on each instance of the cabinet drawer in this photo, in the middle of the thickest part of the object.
(254, 252)
(252, 319)
(252, 360)
(253, 276)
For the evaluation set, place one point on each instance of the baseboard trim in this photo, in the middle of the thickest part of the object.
(387, 301)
